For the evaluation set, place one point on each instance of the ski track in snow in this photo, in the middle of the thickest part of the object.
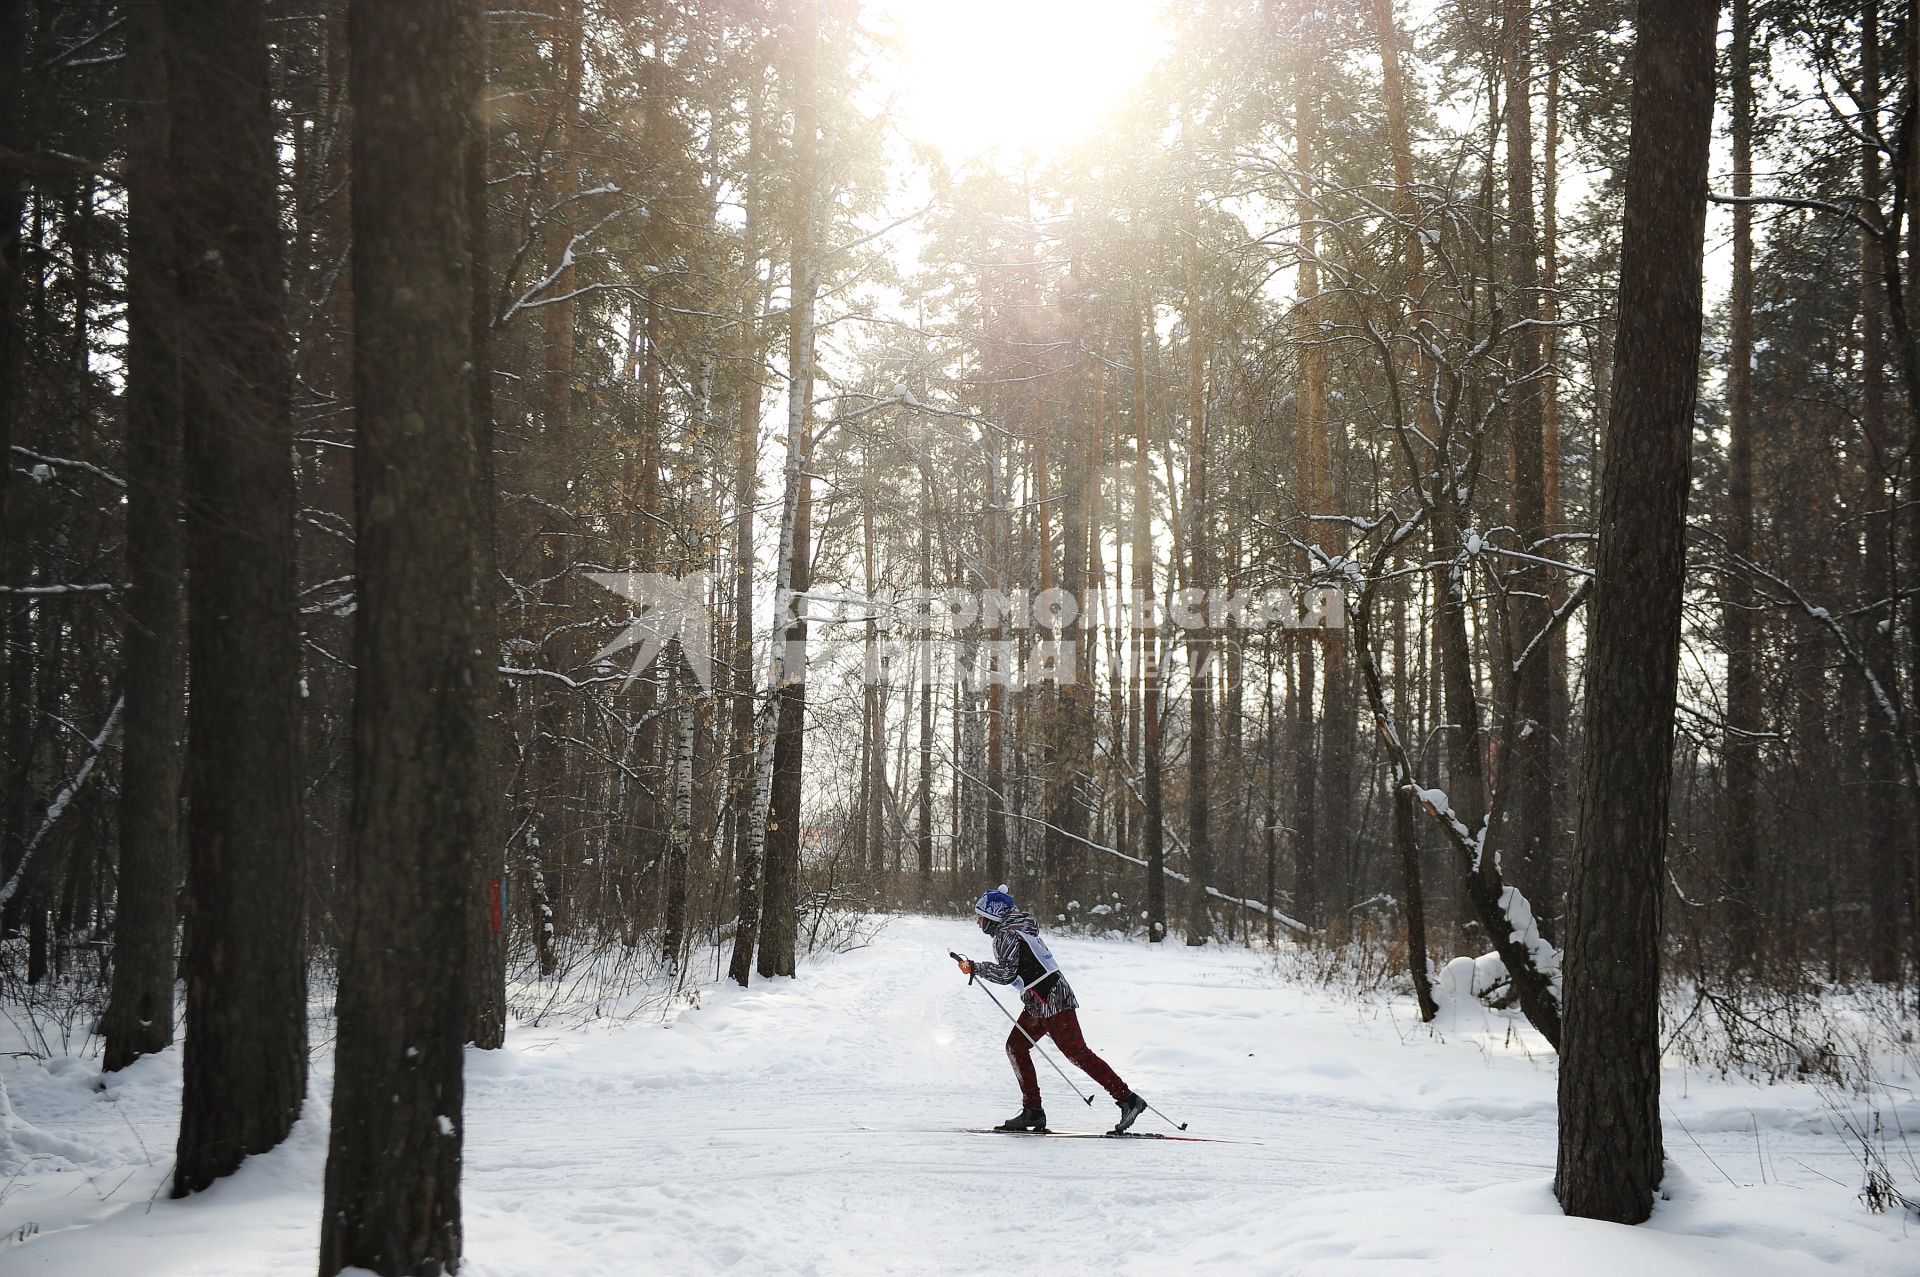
(811, 1127)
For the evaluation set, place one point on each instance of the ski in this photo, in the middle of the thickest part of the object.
(1101, 1135)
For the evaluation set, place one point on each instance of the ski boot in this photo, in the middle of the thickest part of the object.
(1030, 1118)
(1130, 1108)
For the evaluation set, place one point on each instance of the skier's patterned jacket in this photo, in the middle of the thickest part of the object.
(1054, 994)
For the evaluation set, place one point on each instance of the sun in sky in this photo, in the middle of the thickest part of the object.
(980, 78)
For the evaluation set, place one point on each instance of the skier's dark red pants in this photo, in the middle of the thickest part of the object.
(1064, 1028)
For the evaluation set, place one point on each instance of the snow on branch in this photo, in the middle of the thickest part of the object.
(55, 591)
(68, 463)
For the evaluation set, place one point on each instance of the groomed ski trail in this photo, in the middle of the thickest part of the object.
(730, 1140)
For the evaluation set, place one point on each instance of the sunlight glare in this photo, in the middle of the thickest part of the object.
(978, 77)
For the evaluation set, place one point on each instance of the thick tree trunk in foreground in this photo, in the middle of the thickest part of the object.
(245, 1062)
(1610, 1149)
(393, 1162)
(139, 1014)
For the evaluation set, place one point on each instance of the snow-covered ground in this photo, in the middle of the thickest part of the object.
(813, 1126)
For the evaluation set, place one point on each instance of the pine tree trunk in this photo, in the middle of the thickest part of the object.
(923, 799)
(245, 1063)
(1147, 639)
(1317, 836)
(1551, 465)
(1406, 837)
(393, 1160)
(777, 765)
(13, 135)
(1738, 601)
(548, 782)
(1609, 1090)
(1883, 844)
(487, 902)
(744, 770)
(995, 673)
(1527, 811)
(139, 1014)
(16, 718)
(780, 908)
(680, 697)
(1200, 637)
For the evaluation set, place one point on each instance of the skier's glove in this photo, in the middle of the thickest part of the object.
(966, 966)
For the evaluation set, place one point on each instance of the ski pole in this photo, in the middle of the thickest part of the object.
(1163, 1117)
(1087, 1099)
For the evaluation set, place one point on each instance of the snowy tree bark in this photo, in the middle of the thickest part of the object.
(1609, 1089)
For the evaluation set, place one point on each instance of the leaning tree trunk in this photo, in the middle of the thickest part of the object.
(245, 1063)
(139, 1014)
(393, 1159)
(1610, 1150)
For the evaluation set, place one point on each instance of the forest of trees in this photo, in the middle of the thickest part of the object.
(349, 349)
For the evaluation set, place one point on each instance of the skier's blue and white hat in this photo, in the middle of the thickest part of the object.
(994, 905)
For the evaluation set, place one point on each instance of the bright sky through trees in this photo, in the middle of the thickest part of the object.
(1013, 75)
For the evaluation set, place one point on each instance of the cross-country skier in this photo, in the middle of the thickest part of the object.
(1047, 1007)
